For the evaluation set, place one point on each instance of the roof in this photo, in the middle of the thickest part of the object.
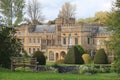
(103, 30)
(47, 28)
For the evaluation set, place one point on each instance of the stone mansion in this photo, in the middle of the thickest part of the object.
(55, 40)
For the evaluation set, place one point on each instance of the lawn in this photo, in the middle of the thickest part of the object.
(9, 75)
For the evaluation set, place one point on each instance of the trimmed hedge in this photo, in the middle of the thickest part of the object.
(100, 57)
(61, 61)
(74, 56)
(87, 59)
(41, 59)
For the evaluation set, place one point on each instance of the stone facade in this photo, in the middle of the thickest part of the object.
(55, 40)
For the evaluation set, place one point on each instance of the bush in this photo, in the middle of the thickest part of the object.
(100, 57)
(83, 69)
(74, 56)
(80, 49)
(41, 59)
(87, 59)
(61, 61)
(115, 66)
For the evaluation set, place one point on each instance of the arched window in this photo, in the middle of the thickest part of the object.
(51, 56)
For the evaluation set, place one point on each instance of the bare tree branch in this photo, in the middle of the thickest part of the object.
(34, 12)
(68, 11)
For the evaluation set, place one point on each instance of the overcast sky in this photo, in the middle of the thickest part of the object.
(85, 8)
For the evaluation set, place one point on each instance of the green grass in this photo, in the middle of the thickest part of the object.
(9, 75)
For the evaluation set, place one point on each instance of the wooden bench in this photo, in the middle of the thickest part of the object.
(23, 62)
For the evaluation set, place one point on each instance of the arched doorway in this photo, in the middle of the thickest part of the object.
(62, 55)
(51, 56)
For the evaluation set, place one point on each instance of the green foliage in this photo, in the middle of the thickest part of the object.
(41, 59)
(80, 49)
(74, 56)
(12, 11)
(100, 57)
(87, 59)
(10, 46)
(116, 66)
(113, 24)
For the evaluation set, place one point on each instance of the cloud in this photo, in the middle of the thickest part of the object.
(87, 8)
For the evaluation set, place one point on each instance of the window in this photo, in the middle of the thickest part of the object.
(88, 40)
(75, 34)
(38, 49)
(76, 40)
(59, 28)
(63, 34)
(69, 39)
(33, 40)
(30, 40)
(29, 50)
(38, 40)
(64, 40)
(51, 56)
(33, 50)
(93, 41)
(48, 42)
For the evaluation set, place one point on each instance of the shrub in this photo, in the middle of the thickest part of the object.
(41, 59)
(87, 59)
(83, 69)
(61, 61)
(55, 65)
(100, 57)
(74, 56)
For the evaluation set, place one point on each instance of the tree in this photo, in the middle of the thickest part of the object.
(41, 59)
(99, 18)
(12, 11)
(68, 11)
(113, 24)
(10, 46)
(34, 12)
(73, 56)
(100, 57)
